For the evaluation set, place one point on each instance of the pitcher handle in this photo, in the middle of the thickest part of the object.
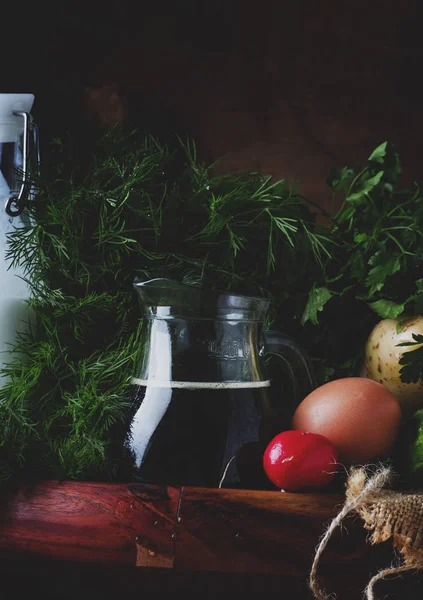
(16, 205)
(295, 363)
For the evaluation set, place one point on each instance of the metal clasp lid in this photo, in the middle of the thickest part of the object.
(15, 205)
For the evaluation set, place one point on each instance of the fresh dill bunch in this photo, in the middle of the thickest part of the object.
(136, 208)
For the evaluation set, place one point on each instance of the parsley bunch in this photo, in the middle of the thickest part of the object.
(374, 269)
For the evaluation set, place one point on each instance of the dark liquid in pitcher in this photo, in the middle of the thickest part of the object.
(187, 434)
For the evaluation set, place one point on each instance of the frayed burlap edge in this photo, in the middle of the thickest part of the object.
(387, 514)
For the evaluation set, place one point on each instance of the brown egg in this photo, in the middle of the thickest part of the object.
(359, 416)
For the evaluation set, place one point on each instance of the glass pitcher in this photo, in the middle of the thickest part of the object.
(201, 392)
(19, 162)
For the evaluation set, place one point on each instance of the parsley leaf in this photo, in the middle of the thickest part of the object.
(315, 303)
(387, 309)
(379, 153)
(340, 180)
(412, 361)
(416, 447)
(360, 196)
(384, 264)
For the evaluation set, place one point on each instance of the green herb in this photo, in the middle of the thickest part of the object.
(378, 230)
(315, 303)
(414, 460)
(375, 270)
(412, 369)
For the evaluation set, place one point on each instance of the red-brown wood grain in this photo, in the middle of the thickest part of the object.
(92, 522)
(184, 529)
(265, 532)
(199, 541)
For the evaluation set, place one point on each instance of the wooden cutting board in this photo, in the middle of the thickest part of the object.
(184, 531)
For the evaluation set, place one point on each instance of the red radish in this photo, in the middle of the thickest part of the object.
(299, 460)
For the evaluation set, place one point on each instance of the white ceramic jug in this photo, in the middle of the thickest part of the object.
(19, 156)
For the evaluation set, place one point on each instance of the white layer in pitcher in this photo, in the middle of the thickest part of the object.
(201, 385)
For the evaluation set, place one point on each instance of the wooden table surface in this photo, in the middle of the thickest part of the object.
(86, 538)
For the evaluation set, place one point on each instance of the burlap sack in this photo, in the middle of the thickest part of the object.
(388, 514)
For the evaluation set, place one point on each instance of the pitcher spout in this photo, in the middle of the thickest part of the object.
(162, 292)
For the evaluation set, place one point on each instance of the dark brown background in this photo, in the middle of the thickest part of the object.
(288, 88)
